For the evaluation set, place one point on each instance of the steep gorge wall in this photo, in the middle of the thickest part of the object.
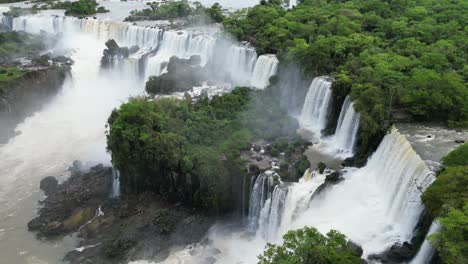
(20, 97)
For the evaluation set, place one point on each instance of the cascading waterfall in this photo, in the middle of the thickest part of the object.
(376, 206)
(115, 183)
(292, 3)
(261, 192)
(379, 204)
(316, 106)
(271, 213)
(347, 128)
(426, 252)
(275, 210)
(181, 44)
(240, 63)
(265, 67)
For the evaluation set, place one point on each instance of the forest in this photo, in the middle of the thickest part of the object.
(192, 152)
(389, 56)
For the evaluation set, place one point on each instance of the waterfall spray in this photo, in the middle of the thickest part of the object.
(266, 66)
(347, 128)
(316, 106)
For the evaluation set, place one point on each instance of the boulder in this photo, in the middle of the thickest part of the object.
(355, 248)
(321, 167)
(396, 254)
(49, 185)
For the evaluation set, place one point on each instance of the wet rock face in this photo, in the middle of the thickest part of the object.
(397, 253)
(356, 248)
(49, 185)
(63, 209)
(113, 230)
(24, 95)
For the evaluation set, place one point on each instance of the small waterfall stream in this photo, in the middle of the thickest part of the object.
(347, 128)
(426, 252)
(316, 106)
(266, 66)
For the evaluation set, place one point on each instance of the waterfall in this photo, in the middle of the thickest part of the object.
(316, 106)
(347, 128)
(292, 3)
(115, 183)
(271, 213)
(261, 192)
(240, 63)
(265, 67)
(182, 44)
(426, 252)
(378, 204)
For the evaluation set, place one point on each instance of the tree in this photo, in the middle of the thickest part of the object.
(309, 246)
(452, 242)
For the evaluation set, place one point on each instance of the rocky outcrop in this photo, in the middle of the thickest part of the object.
(181, 76)
(71, 204)
(112, 230)
(397, 253)
(114, 52)
(21, 96)
(49, 185)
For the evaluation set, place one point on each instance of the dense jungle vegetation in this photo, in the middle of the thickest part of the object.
(191, 152)
(402, 54)
(194, 12)
(309, 246)
(447, 199)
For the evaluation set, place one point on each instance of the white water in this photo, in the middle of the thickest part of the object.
(115, 183)
(346, 130)
(427, 251)
(379, 204)
(70, 127)
(375, 206)
(240, 63)
(266, 66)
(316, 106)
(292, 3)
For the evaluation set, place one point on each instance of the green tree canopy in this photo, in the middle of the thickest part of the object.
(309, 246)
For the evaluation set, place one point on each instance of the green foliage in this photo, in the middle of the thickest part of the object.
(450, 190)
(177, 10)
(447, 198)
(452, 242)
(19, 44)
(10, 73)
(187, 151)
(308, 246)
(458, 157)
(385, 54)
(77, 8)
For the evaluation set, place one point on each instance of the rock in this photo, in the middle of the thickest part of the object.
(355, 248)
(333, 177)
(459, 141)
(397, 253)
(253, 169)
(268, 149)
(133, 49)
(257, 148)
(195, 60)
(49, 185)
(209, 260)
(321, 167)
